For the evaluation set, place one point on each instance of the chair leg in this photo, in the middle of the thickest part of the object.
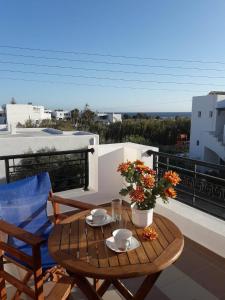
(38, 276)
(26, 278)
(3, 295)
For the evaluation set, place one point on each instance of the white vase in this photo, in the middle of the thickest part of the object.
(141, 218)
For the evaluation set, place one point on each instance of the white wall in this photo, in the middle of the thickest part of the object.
(210, 156)
(200, 227)
(103, 176)
(11, 145)
(104, 180)
(47, 115)
(220, 121)
(22, 112)
(210, 141)
(201, 126)
(205, 104)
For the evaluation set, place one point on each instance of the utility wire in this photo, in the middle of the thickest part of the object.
(112, 55)
(110, 70)
(99, 85)
(111, 63)
(109, 78)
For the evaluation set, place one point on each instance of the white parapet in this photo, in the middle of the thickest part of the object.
(199, 226)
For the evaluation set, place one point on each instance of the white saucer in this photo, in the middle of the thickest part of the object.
(105, 222)
(112, 245)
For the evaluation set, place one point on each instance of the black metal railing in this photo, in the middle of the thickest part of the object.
(67, 169)
(202, 185)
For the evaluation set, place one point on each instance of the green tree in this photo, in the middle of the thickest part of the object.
(75, 116)
(87, 117)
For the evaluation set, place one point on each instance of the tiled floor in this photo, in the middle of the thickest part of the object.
(197, 275)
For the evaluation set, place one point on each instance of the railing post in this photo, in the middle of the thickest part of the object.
(194, 184)
(86, 172)
(167, 163)
(7, 171)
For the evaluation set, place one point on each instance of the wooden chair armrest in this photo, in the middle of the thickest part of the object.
(71, 202)
(20, 234)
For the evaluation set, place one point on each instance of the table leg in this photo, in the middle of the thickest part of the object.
(92, 294)
(122, 289)
(86, 287)
(96, 283)
(103, 287)
(146, 286)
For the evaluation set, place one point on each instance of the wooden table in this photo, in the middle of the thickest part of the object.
(82, 251)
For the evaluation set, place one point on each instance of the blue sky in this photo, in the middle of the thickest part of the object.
(171, 29)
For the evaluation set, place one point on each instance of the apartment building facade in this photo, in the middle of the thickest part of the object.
(60, 114)
(207, 139)
(20, 113)
(108, 118)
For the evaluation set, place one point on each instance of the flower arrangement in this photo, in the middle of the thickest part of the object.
(143, 188)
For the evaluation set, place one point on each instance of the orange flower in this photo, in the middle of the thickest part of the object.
(149, 233)
(149, 181)
(172, 177)
(142, 168)
(138, 162)
(124, 167)
(137, 194)
(170, 192)
(152, 172)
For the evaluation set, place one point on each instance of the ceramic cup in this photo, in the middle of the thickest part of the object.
(122, 238)
(98, 215)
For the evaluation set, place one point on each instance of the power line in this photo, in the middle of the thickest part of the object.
(112, 55)
(110, 70)
(111, 63)
(109, 78)
(99, 85)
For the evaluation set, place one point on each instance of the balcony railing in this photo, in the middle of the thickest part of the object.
(202, 186)
(67, 169)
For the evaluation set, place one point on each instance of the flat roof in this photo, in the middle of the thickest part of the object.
(40, 132)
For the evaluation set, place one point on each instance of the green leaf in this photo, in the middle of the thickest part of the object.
(124, 192)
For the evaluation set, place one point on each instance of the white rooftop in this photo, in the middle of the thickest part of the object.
(39, 132)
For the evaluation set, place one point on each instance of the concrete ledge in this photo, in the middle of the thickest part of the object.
(200, 227)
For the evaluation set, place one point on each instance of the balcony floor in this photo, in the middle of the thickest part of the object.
(198, 274)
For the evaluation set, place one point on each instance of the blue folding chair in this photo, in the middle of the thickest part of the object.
(23, 217)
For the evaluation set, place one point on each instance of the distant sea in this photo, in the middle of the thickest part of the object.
(163, 115)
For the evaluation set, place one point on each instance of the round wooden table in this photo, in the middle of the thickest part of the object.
(82, 251)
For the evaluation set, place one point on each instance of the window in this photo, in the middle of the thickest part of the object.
(210, 114)
(197, 143)
(36, 109)
(199, 114)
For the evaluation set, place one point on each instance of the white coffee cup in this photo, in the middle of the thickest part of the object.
(122, 238)
(98, 215)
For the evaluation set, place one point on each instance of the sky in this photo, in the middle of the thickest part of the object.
(122, 56)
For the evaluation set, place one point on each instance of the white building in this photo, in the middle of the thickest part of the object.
(60, 114)
(108, 118)
(207, 140)
(20, 113)
(47, 114)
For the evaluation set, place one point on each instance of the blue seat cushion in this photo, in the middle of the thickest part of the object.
(23, 203)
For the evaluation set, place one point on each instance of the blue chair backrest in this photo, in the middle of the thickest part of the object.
(24, 204)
